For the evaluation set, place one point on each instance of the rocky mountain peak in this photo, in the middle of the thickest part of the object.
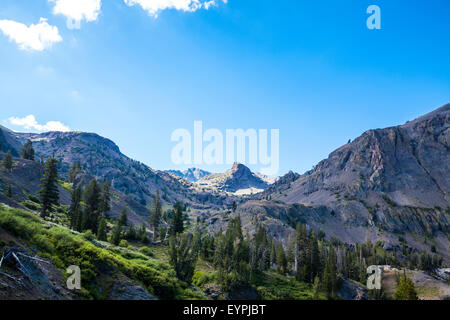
(239, 179)
(191, 174)
(240, 169)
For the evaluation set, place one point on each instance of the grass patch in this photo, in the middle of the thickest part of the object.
(64, 248)
(66, 185)
(272, 286)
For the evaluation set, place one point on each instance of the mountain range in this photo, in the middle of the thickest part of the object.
(388, 184)
(191, 174)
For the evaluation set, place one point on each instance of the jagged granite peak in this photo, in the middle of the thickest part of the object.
(191, 174)
(239, 179)
(238, 169)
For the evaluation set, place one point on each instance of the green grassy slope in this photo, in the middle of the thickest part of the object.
(97, 261)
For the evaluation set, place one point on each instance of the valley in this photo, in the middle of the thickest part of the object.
(142, 233)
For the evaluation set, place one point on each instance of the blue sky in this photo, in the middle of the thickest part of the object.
(311, 69)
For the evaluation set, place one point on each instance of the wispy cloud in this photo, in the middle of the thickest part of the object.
(36, 37)
(29, 122)
(77, 10)
(153, 7)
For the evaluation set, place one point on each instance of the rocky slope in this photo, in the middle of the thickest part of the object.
(134, 184)
(408, 163)
(8, 143)
(387, 183)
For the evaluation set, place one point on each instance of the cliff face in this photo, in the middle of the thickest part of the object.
(404, 166)
(386, 182)
(409, 163)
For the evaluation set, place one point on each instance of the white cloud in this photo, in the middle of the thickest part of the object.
(36, 37)
(29, 122)
(77, 10)
(154, 6)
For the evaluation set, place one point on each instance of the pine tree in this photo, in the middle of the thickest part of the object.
(330, 275)
(178, 220)
(142, 234)
(74, 170)
(102, 232)
(105, 198)
(49, 193)
(27, 151)
(123, 220)
(182, 256)
(260, 251)
(405, 289)
(302, 258)
(92, 213)
(75, 210)
(131, 233)
(155, 215)
(9, 192)
(316, 288)
(290, 252)
(7, 161)
(314, 257)
(281, 260)
(116, 235)
(273, 254)
(232, 257)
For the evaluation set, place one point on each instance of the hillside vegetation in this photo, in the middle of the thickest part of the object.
(64, 248)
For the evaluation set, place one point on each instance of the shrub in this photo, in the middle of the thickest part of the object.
(31, 205)
(123, 243)
(201, 278)
(43, 243)
(88, 235)
(146, 251)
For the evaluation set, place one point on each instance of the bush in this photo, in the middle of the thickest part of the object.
(201, 278)
(123, 243)
(31, 205)
(146, 251)
(43, 243)
(88, 235)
